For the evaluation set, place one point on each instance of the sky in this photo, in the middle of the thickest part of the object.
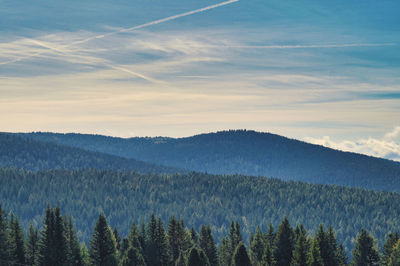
(319, 71)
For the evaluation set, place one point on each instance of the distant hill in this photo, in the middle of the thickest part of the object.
(30, 154)
(249, 153)
(198, 199)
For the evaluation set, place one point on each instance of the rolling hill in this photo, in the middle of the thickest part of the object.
(34, 155)
(248, 153)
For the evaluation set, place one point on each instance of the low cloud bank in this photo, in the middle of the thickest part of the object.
(387, 147)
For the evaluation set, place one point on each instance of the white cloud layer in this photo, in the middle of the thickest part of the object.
(387, 147)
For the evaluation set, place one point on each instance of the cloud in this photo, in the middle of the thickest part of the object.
(387, 147)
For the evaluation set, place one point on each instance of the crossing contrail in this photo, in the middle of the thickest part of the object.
(155, 22)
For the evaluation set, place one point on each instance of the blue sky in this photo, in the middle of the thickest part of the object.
(322, 71)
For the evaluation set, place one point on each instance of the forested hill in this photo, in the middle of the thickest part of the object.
(30, 154)
(198, 199)
(249, 153)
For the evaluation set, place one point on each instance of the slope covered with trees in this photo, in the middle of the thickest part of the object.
(198, 199)
(29, 154)
(248, 153)
(153, 244)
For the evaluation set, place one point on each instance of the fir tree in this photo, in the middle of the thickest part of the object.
(365, 253)
(197, 257)
(300, 252)
(257, 247)
(268, 256)
(207, 243)
(133, 257)
(102, 246)
(16, 240)
(314, 256)
(388, 247)
(176, 236)
(341, 256)
(181, 261)
(284, 243)
(240, 256)
(73, 246)
(4, 244)
(117, 238)
(32, 246)
(394, 259)
(269, 236)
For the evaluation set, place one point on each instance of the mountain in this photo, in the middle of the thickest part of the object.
(246, 152)
(198, 199)
(30, 154)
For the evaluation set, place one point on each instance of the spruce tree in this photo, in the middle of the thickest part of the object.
(332, 258)
(268, 256)
(32, 246)
(133, 257)
(341, 255)
(394, 259)
(4, 243)
(207, 243)
(16, 240)
(240, 256)
(314, 255)
(284, 242)
(197, 257)
(176, 236)
(117, 238)
(365, 253)
(73, 247)
(388, 247)
(300, 253)
(269, 236)
(257, 247)
(162, 243)
(181, 261)
(102, 246)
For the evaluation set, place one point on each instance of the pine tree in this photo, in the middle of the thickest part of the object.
(268, 256)
(133, 257)
(388, 247)
(284, 243)
(269, 236)
(134, 238)
(332, 259)
(4, 243)
(16, 238)
(314, 256)
(72, 243)
(394, 259)
(117, 238)
(32, 246)
(85, 255)
(257, 247)
(341, 256)
(102, 247)
(176, 236)
(59, 242)
(162, 243)
(365, 253)
(240, 256)
(207, 243)
(181, 261)
(301, 250)
(197, 257)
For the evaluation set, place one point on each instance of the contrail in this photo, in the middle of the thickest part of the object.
(155, 22)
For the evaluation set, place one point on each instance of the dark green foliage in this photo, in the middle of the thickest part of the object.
(240, 256)
(117, 238)
(198, 199)
(207, 244)
(4, 243)
(257, 247)
(176, 237)
(394, 259)
(32, 246)
(268, 256)
(29, 154)
(365, 253)
(314, 256)
(181, 261)
(284, 243)
(197, 257)
(102, 245)
(248, 153)
(341, 256)
(301, 250)
(52, 245)
(74, 257)
(16, 240)
(133, 257)
(157, 245)
(388, 247)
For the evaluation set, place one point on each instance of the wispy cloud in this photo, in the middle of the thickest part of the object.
(387, 147)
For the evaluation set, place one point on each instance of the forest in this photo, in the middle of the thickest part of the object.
(55, 242)
(198, 199)
(248, 153)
